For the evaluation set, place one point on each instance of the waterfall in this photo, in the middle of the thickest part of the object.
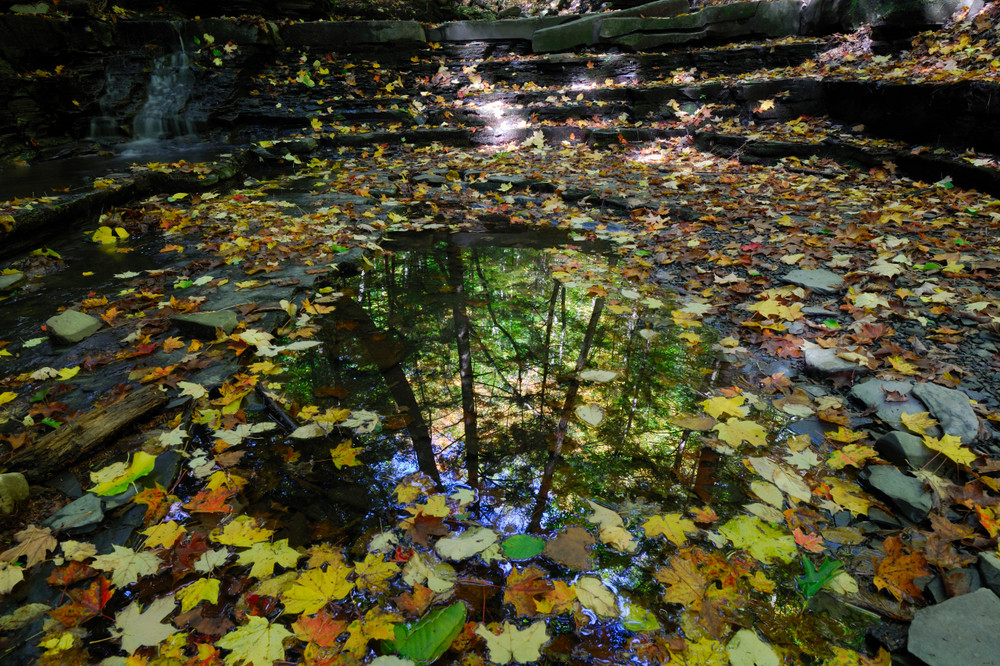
(171, 82)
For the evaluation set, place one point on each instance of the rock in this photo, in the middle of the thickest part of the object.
(340, 34)
(961, 630)
(872, 394)
(430, 179)
(10, 280)
(37, 8)
(510, 12)
(820, 281)
(905, 492)
(989, 569)
(951, 408)
(482, 31)
(904, 450)
(826, 362)
(351, 262)
(586, 30)
(203, 324)
(77, 515)
(13, 489)
(72, 326)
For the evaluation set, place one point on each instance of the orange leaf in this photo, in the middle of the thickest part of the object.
(523, 587)
(172, 343)
(320, 629)
(896, 571)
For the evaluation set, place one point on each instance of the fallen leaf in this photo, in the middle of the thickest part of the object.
(512, 644)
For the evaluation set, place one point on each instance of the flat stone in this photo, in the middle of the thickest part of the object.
(480, 31)
(71, 326)
(960, 630)
(586, 30)
(872, 394)
(430, 179)
(77, 515)
(826, 362)
(203, 324)
(340, 34)
(820, 281)
(10, 280)
(904, 450)
(13, 489)
(951, 408)
(905, 492)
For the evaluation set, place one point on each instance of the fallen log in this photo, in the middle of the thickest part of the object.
(53, 453)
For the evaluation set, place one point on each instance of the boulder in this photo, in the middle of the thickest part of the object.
(820, 281)
(872, 393)
(951, 408)
(482, 31)
(905, 492)
(960, 630)
(826, 362)
(13, 489)
(989, 569)
(338, 34)
(586, 29)
(71, 326)
(904, 450)
(203, 324)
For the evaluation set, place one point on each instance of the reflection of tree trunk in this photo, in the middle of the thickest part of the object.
(456, 279)
(488, 296)
(567, 410)
(548, 340)
(388, 354)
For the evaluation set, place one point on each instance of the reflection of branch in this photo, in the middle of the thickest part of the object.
(556, 285)
(489, 308)
(567, 409)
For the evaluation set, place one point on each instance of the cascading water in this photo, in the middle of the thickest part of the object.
(162, 115)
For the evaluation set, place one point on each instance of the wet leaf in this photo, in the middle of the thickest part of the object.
(593, 594)
(117, 478)
(897, 570)
(428, 638)
(590, 414)
(258, 642)
(374, 573)
(203, 589)
(600, 376)
(315, 588)
(126, 565)
(747, 649)
(918, 422)
(438, 576)
(763, 541)
(684, 583)
(523, 587)
(522, 546)
(467, 544)
(32, 542)
(670, 525)
(570, 548)
(264, 556)
(512, 644)
(735, 431)
(950, 446)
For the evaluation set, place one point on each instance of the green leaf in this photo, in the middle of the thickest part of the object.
(815, 579)
(523, 547)
(929, 266)
(120, 479)
(51, 422)
(831, 323)
(638, 618)
(428, 638)
(46, 252)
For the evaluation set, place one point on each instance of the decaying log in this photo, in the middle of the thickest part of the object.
(53, 453)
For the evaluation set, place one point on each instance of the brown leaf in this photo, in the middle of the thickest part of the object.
(32, 542)
(523, 587)
(570, 548)
(897, 570)
(415, 603)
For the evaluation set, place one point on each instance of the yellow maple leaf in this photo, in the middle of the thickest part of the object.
(164, 534)
(951, 446)
(345, 455)
(718, 406)
(736, 431)
(203, 589)
(68, 373)
(315, 588)
(374, 573)
(436, 505)
(902, 366)
(243, 532)
(918, 422)
(6, 397)
(265, 556)
(377, 625)
(258, 642)
(840, 492)
(765, 105)
(670, 525)
(845, 435)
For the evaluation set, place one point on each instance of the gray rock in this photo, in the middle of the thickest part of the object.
(430, 179)
(37, 8)
(481, 31)
(77, 515)
(905, 492)
(203, 324)
(586, 30)
(989, 569)
(10, 280)
(13, 489)
(821, 281)
(817, 311)
(344, 34)
(951, 408)
(826, 362)
(72, 326)
(872, 394)
(961, 630)
(904, 450)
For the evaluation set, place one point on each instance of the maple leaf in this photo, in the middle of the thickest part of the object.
(685, 584)
(522, 588)
(163, 534)
(345, 456)
(949, 445)
(203, 589)
(763, 541)
(258, 642)
(512, 644)
(86, 603)
(718, 406)
(561, 599)
(919, 422)
(811, 542)
(852, 454)
(376, 625)
(704, 515)
(126, 565)
(315, 588)
(10, 575)
(896, 571)
(157, 501)
(736, 431)
(71, 573)
(374, 573)
(171, 344)
(243, 532)
(264, 556)
(211, 501)
(321, 629)
(845, 435)
(32, 542)
(670, 525)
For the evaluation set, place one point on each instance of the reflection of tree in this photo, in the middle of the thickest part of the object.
(456, 280)
(388, 354)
